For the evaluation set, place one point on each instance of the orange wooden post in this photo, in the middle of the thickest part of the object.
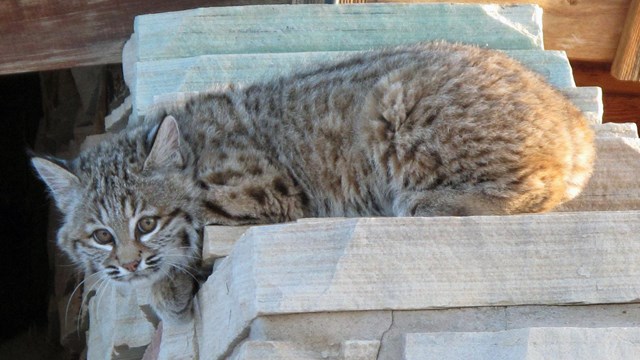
(626, 64)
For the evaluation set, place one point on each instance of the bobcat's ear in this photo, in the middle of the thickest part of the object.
(165, 151)
(62, 184)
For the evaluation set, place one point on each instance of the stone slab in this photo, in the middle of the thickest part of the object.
(484, 319)
(272, 350)
(331, 333)
(629, 130)
(119, 327)
(588, 99)
(204, 73)
(293, 28)
(420, 263)
(527, 343)
(380, 334)
(359, 350)
(614, 185)
(123, 326)
(178, 342)
(220, 241)
(276, 350)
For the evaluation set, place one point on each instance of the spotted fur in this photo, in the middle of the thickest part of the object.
(430, 129)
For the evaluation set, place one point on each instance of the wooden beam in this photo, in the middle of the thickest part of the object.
(622, 108)
(621, 98)
(599, 74)
(52, 34)
(626, 65)
(586, 29)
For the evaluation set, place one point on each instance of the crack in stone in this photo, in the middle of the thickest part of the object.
(384, 334)
(237, 342)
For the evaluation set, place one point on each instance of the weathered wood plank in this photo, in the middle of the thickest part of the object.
(52, 34)
(599, 74)
(626, 64)
(621, 98)
(153, 78)
(587, 29)
(288, 28)
(622, 108)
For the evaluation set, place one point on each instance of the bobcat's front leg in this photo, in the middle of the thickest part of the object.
(172, 297)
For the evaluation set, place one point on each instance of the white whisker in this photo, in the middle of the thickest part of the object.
(106, 283)
(185, 256)
(165, 272)
(185, 266)
(182, 269)
(83, 304)
(66, 310)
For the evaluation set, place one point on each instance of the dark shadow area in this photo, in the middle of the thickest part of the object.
(24, 275)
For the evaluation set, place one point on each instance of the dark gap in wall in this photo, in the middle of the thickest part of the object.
(24, 275)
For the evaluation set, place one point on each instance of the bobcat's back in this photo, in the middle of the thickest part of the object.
(429, 129)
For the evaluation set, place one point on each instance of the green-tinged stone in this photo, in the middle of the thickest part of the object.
(201, 73)
(302, 28)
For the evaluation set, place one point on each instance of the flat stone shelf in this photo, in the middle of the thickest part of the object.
(528, 343)
(368, 264)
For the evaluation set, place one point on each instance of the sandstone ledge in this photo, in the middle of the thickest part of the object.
(368, 264)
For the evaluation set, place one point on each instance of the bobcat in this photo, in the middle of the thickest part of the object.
(424, 130)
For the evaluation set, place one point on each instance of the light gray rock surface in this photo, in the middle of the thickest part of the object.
(614, 185)
(629, 130)
(219, 241)
(529, 344)
(421, 263)
(119, 327)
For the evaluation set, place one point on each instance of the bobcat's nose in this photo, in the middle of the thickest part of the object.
(131, 266)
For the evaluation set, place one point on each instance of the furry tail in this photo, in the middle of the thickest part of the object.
(584, 155)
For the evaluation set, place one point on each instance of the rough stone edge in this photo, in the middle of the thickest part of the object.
(243, 309)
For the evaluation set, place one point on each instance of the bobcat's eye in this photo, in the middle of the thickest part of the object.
(103, 237)
(147, 224)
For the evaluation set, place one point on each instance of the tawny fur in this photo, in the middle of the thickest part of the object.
(430, 129)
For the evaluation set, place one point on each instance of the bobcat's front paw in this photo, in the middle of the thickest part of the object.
(173, 297)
